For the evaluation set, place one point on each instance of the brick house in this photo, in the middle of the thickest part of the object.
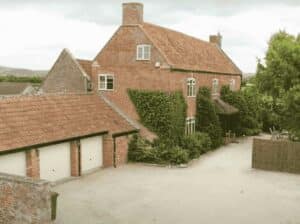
(141, 55)
(57, 136)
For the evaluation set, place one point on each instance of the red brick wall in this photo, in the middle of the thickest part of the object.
(33, 163)
(119, 58)
(121, 150)
(108, 149)
(75, 172)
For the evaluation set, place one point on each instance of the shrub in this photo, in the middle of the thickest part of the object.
(247, 121)
(140, 150)
(196, 144)
(207, 119)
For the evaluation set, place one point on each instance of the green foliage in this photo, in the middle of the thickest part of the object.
(163, 113)
(140, 150)
(11, 78)
(292, 112)
(282, 68)
(207, 119)
(247, 121)
(196, 144)
(278, 80)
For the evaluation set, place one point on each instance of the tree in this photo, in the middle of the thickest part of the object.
(279, 78)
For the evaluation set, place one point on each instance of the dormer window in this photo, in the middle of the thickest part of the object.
(143, 52)
(232, 84)
(191, 87)
(215, 86)
(105, 82)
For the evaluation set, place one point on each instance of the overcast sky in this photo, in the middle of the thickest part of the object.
(33, 32)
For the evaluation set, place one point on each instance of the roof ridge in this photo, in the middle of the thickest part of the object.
(179, 32)
(40, 95)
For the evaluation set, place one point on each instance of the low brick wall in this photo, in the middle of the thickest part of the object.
(276, 155)
(24, 200)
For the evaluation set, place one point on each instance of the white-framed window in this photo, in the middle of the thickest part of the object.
(191, 87)
(232, 84)
(215, 86)
(190, 125)
(143, 52)
(105, 82)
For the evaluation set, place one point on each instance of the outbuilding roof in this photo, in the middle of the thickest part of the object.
(29, 121)
(13, 88)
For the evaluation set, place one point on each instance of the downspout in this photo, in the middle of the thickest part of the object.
(115, 152)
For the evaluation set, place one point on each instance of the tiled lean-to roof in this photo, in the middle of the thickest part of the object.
(189, 53)
(13, 88)
(29, 121)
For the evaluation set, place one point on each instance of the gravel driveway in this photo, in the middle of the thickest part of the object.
(220, 187)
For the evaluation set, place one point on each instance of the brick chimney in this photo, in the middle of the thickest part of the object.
(216, 39)
(133, 13)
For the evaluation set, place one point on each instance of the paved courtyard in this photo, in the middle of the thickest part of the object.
(220, 187)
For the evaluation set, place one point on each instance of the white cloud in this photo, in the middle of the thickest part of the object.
(33, 37)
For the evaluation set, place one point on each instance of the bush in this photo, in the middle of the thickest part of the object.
(207, 119)
(140, 150)
(249, 105)
(196, 144)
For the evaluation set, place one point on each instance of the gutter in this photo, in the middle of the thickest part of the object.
(206, 72)
(51, 143)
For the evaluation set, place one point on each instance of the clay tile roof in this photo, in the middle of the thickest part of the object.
(33, 120)
(224, 108)
(86, 65)
(188, 53)
(12, 88)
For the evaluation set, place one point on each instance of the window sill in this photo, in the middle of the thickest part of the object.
(143, 59)
(110, 90)
(191, 96)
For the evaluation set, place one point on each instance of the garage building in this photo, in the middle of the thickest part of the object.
(54, 137)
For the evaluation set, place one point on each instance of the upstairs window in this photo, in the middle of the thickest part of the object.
(105, 82)
(143, 52)
(232, 84)
(191, 87)
(190, 125)
(215, 86)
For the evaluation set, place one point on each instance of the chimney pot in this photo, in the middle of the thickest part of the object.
(216, 39)
(133, 13)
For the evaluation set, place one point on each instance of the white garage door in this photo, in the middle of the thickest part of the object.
(91, 153)
(14, 163)
(55, 162)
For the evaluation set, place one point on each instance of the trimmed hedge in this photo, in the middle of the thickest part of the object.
(11, 78)
(163, 113)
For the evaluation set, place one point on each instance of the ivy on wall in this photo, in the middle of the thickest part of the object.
(207, 119)
(161, 112)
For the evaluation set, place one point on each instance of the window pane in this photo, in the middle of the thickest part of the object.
(102, 82)
(147, 52)
(110, 82)
(139, 52)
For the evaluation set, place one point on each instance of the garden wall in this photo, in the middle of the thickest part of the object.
(24, 201)
(276, 155)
